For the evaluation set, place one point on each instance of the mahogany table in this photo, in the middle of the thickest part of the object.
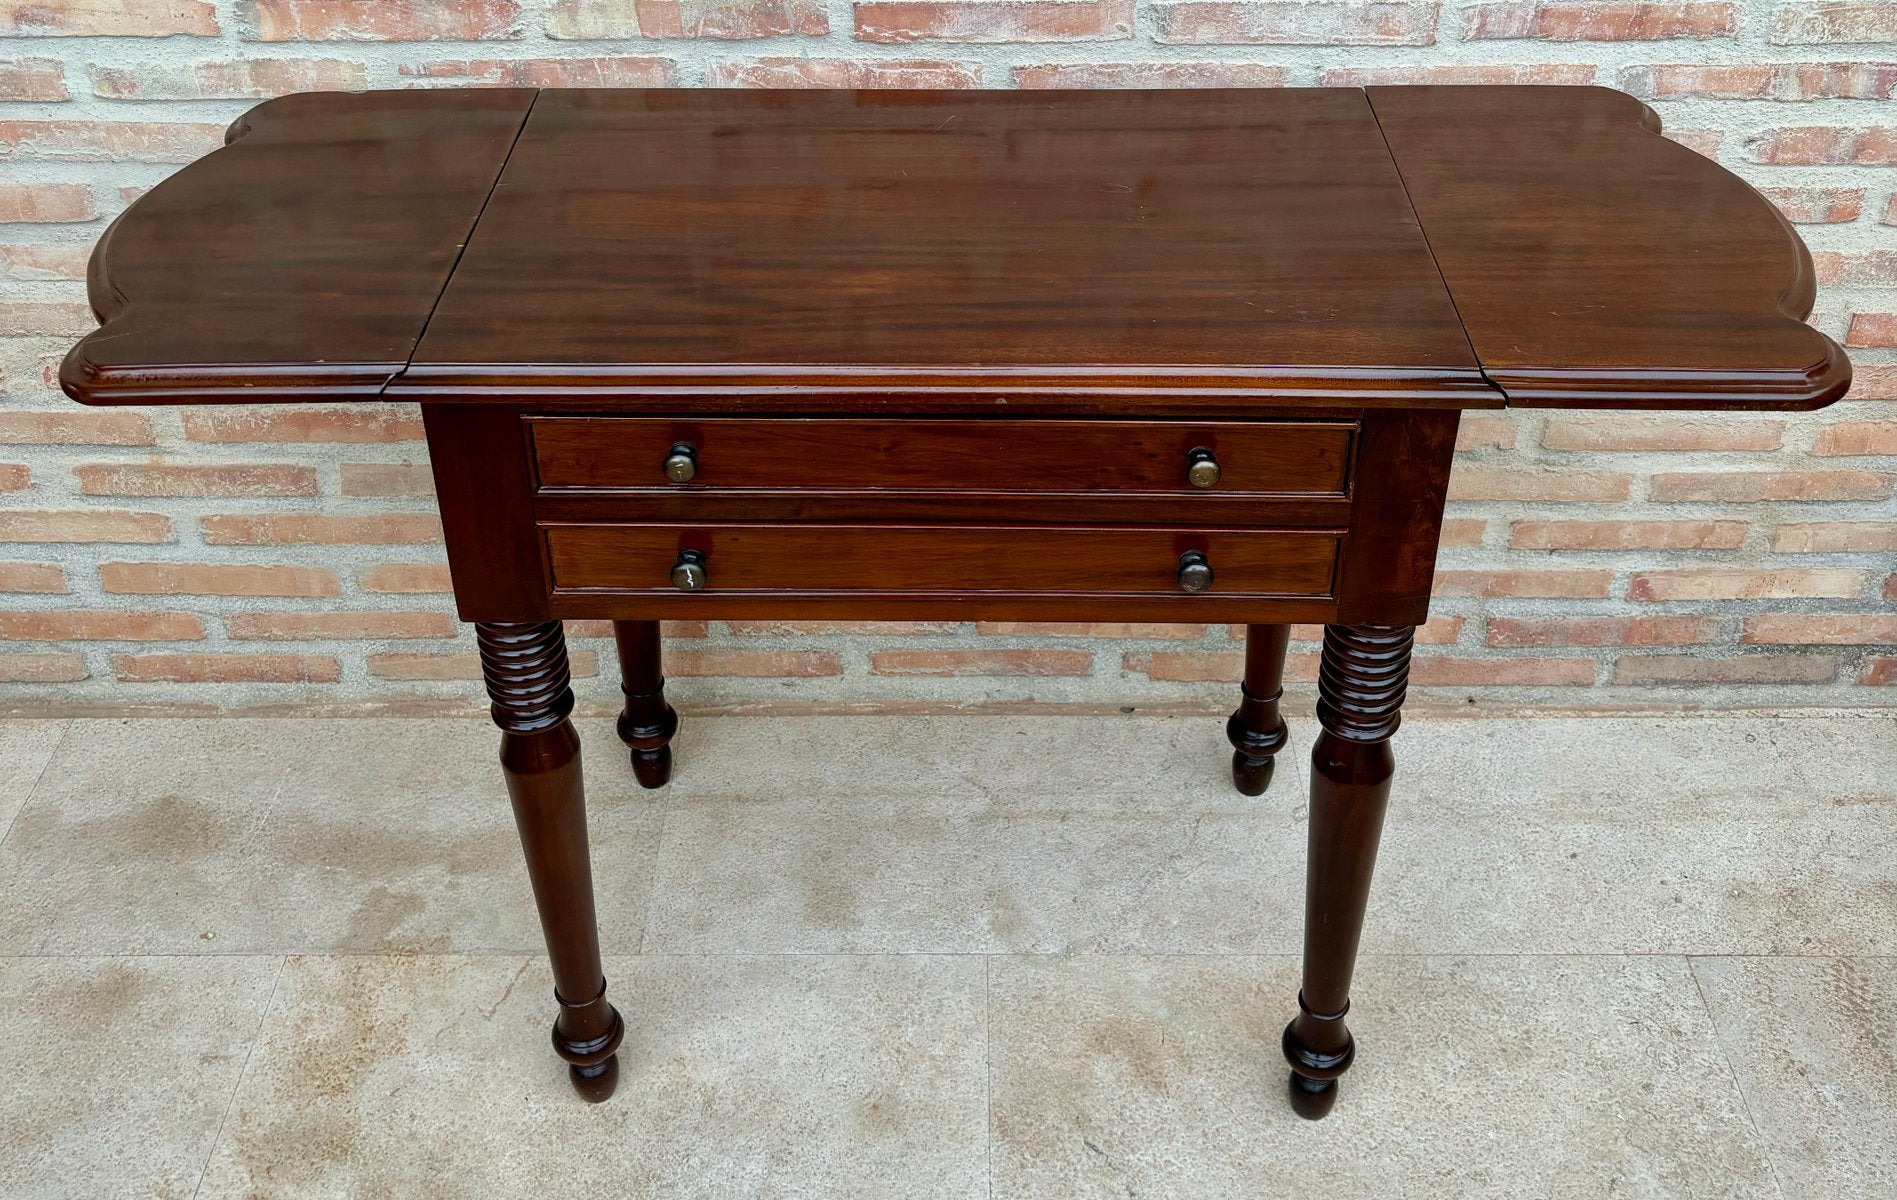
(1069, 356)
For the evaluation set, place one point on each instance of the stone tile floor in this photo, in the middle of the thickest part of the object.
(949, 957)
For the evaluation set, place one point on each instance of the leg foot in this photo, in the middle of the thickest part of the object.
(648, 722)
(525, 666)
(1256, 731)
(1361, 683)
(597, 1082)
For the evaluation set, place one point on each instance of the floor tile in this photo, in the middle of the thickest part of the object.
(298, 835)
(25, 747)
(1476, 1077)
(1740, 835)
(118, 1070)
(1814, 1044)
(757, 1077)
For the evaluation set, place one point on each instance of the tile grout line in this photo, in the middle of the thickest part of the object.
(988, 1065)
(1725, 1056)
(250, 1051)
(39, 777)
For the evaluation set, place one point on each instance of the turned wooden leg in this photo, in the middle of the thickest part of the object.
(648, 722)
(1360, 689)
(526, 671)
(1256, 730)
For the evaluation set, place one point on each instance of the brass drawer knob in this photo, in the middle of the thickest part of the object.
(1202, 468)
(688, 573)
(1195, 573)
(681, 464)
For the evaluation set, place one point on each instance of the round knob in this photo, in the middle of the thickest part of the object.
(688, 573)
(1195, 574)
(1202, 469)
(681, 464)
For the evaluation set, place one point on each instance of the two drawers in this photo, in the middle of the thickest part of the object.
(711, 507)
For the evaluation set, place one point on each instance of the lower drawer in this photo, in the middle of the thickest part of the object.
(941, 560)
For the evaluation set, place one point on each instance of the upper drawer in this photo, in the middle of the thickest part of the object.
(1255, 458)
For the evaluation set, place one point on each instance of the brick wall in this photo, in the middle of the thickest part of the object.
(253, 558)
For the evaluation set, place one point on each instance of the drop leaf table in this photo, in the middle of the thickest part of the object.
(1056, 356)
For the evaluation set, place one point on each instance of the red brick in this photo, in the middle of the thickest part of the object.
(1460, 75)
(751, 664)
(1704, 142)
(84, 625)
(993, 20)
(1819, 629)
(1668, 670)
(817, 628)
(1462, 531)
(1738, 583)
(1890, 587)
(54, 261)
(1013, 662)
(382, 20)
(253, 79)
(1836, 537)
(667, 629)
(108, 18)
(77, 427)
(42, 577)
(84, 525)
(32, 80)
(1627, 535)
(1890, 211)
(1874, 381)
(1295, 22)
(616, 71)
(1873, 268)
(42, 668)
(1623, 432)
(723, 19)
(408, 480)
(407, 665)
(285, 529)
(1856, 437)
(112, 141)
(1872, 330)
(1486, 431)
(1187, 666)
(1439, 630)
(1570, 585)
(1148, 75)
(1513, 633)
(45, 318)
(1470, 482)
(1834, 22)
(407, 579)
(1817, 205)
(216, 579)
(226, 668)
(1132, 630)
(1879, 672)
(1607, 21)
(1754, 486)
(1819, 145)
(1762, 81)
(1432, 671)
(247, 479)
(15, 477)
(287, 424)
(308, 626)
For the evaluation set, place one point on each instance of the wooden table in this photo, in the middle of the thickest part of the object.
(1069, 356)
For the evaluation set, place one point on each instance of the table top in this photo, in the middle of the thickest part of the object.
(1109, 252)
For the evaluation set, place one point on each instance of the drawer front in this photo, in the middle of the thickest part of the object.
(940, 560)
(837, 457)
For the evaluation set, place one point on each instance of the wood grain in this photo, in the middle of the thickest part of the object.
(1596, 264)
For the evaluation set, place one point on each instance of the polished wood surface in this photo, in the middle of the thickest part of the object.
(1190, 356)
(1258, 458)
(721, 240)
(301, 261)
(1596, 264)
